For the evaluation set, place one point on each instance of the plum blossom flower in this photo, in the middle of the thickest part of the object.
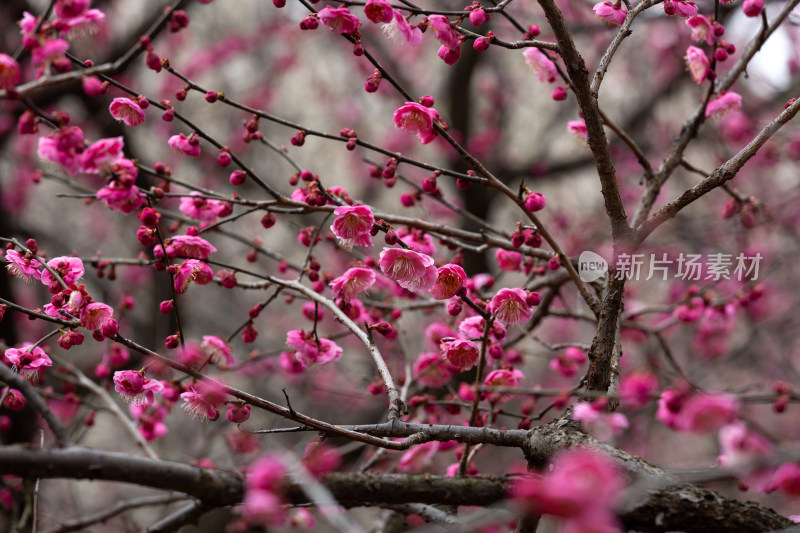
(352, 225)
(724, 104)
(48, 53)
(309, 349)
(509, 306)
(202, 209)
(570, 490)
(416, 118)
(127, 111)
(378, 11)
(567, 363)
(411, 270)
(740, 446)
(502, 378)
(192, 270)
(598, 422)
(69, 268)
(399, 29)
(101, 154)
(461, 353)
(578, 129)
(681, 8)
(99, 316)
(612, 13)
(202, 399)
(27, 361)
(354, 281)
(14, 400)
(474, 326)
(431, 370)
(444, 31)
(64, 148)
(417, 240)
(339, 19)
(21, 266)
(188, 145)
(218, 350)
(541, 65)
(135, 388)
(87, 23)
(698, 63)
(702, 29)
(121, 195)
(262, 501)
(418, 458)
(637, 388)
(191, 246)
(9, 72)
(698, 413)
(508, 260)
(449, 280)
(238, 413)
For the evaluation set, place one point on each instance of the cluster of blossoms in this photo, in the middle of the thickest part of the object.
(69, 299)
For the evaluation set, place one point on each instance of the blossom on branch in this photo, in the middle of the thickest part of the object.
(135, 388)
(411, 270)
(127, 111)
(353, 225)
(418, 119)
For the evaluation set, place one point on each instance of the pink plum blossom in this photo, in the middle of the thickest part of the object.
(502, 378)
(218, 351)
(461, 353)
(9, 72)
(541, 65)
(309, 349)
(22, 266)
(352, 282)
(418, 458)
(101, 155)
(577, 128)
(69, 268)
(67, 9)
(238, 413)
(127, 111)
(135, 388)
(697, 413)
(378, 11)
(612, 13)
(637, 388)
(740, 446)
(570, 490)
(474, 327)
(510, 306)
(508, 260)
(99, 316)
(598, 422)
(202, 209)
(417, 240)
(567, 362)
(702, 29)
(724, 104)
(352, 225)
(411, 270)
(399, 29)
(698, 63)
(121, 196)
(191, 246)
(188, 145)
(27, 361)
(430, 370)
(50, 51)
(416, 118)
(449, 280)
(202, 399)
(192, 270)
(64, 148)
(444, 31)
(339, 19)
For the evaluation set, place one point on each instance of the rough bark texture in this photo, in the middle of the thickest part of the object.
(598, 378)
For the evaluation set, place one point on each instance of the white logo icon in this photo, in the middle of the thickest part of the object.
(591, 266)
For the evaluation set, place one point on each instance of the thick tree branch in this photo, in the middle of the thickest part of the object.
(579, 77)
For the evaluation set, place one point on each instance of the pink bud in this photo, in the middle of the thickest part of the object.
(237, 177)
(426, 100)
(172, 342)
(535, 202)
(753, 8)
(238, 413)
(559, 94)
